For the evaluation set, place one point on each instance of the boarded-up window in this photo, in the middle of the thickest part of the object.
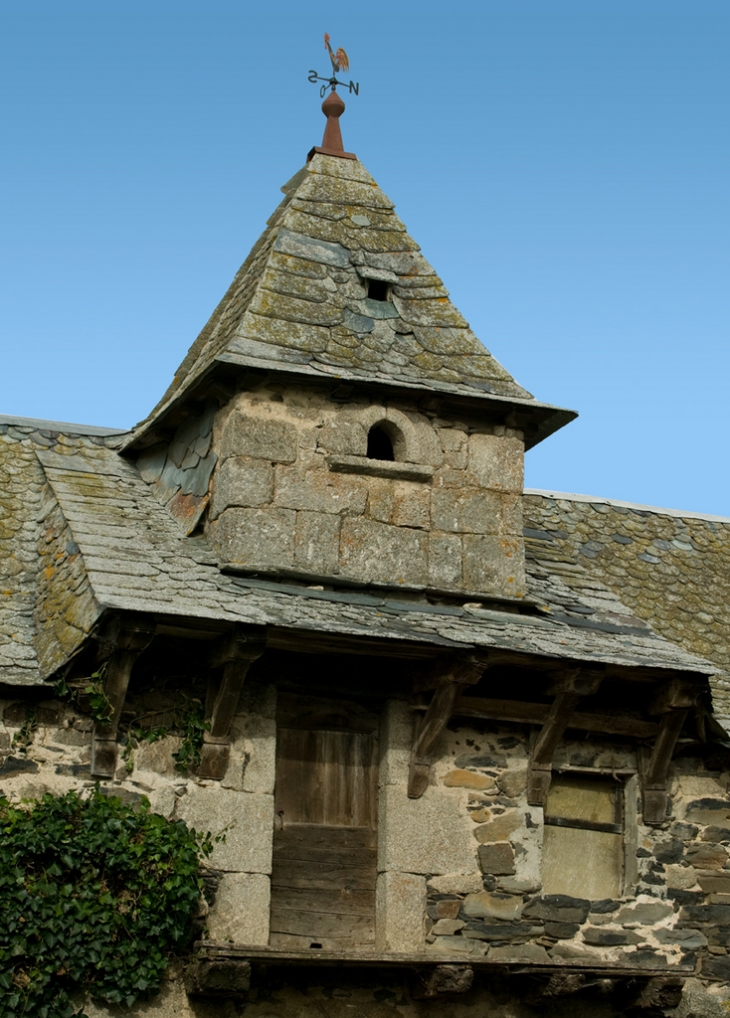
(324, 868)
(583, 837)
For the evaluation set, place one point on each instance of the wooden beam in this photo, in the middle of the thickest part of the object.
(569, 685)
(456, 675)
(677, 694)
(432, 725)
(123, 642)
(236, 653)
(541, 757)
(657, 771)
(536, 713)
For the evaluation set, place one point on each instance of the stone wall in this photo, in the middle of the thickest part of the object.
(460, 878)
(294, 493)
(57, 759)
(675, 905)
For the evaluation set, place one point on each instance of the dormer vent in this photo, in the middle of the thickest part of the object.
(378, 289)
(380, 445)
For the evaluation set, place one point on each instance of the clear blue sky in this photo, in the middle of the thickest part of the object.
(563, 164)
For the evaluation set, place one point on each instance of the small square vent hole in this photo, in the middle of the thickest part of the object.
(377, 289)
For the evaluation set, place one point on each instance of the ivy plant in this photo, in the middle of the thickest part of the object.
(88, 695)
(95, 896)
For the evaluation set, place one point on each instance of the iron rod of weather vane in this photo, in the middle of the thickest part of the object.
(351, 86)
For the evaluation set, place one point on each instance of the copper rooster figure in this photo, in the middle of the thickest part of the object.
(340, 61)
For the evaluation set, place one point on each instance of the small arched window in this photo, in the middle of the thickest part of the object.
(380, 444)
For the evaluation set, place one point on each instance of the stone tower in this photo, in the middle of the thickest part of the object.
(337, 421)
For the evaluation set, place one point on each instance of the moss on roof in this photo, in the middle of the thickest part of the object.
(300, 300)
(673, 571)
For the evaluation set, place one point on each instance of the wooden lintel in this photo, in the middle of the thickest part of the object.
(236, 653)
(521, 712)
(123, 646)
(655, 777)
(545, 744)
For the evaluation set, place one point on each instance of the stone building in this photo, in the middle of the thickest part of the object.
(465, 739)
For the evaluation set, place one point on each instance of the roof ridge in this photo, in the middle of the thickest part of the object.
(39, 424)
(599, 500)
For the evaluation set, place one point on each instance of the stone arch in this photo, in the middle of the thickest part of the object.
(408, 438)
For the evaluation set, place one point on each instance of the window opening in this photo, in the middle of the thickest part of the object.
(380, 446)
(377, 289)
(583, 845)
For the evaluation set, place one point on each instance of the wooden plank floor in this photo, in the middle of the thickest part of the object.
(323, 888)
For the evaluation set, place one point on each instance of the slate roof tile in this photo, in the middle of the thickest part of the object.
(333, 227)
(671, 570)
(122, 550)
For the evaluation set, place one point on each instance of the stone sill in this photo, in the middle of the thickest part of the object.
(380, 468)
(208, 949)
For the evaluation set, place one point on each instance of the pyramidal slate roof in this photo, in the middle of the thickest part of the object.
(299, 302)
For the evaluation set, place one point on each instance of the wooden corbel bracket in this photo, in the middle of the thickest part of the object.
(673, 702)
(121, 644)
(568, 688)
(235, 654)
(453, 677)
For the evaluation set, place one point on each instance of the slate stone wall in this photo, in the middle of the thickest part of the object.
(674, 911)
(295, 494)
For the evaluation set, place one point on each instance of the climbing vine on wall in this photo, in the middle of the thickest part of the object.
(186, 718)
(95, 896)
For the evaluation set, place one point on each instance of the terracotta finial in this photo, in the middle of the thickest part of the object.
(333, 107)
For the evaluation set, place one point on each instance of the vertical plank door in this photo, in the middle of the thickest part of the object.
(323, 880)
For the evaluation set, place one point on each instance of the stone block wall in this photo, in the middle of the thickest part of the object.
(417, 839)
(460, 875)
(46, 747)
(294, 493)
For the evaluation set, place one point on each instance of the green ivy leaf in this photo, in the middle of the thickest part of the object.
(101, 916)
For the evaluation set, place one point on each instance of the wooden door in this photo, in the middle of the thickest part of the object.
(323, 880)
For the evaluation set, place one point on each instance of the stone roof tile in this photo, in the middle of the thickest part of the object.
(670, 569)
(301, 297)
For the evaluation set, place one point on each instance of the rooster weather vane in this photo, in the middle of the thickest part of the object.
(340, 62)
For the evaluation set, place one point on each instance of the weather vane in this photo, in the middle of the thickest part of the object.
(340, 62)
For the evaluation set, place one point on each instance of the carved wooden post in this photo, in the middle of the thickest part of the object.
(125, 641)
(673, 702)
(237, 653)
(569, 689)
(457, 675)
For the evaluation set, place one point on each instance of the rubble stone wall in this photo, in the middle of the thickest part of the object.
(675, 905)
(46, 747)
(459, 870)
